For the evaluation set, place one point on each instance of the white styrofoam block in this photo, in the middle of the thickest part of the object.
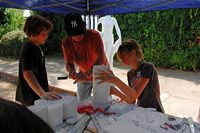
(64, 95)
(39, 110)
(55, 114)
(43, 101)
(68, 102)
(140, 121)
(48, 101)
(102, 106)
(74, 119)
(70, 98)
(85, 101)
(69, 106)
(70, 109)
(100, 91)
(120, 108)
(129, 128)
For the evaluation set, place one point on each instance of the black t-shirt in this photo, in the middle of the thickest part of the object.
(150, 96)
(31, 58)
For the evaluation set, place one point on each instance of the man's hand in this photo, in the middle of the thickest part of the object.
(72, 75)
(81, 77)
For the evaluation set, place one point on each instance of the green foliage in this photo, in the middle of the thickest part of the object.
(12, 19)
(2, 15)
(13, 37)
(11, 43)
(167, 37)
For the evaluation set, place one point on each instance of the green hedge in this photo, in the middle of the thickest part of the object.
(167, 37)
(11, 19)
(12, 36)
(170, 38)
(11, 44)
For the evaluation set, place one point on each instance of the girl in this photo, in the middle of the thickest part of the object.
(143, 88)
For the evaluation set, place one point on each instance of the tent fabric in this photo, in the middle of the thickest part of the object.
(99, 7)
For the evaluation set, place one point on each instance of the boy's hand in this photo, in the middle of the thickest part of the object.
(51, 95)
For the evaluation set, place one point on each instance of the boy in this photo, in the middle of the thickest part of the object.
(32, 82)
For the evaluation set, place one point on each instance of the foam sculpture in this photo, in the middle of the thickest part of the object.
(100, 91)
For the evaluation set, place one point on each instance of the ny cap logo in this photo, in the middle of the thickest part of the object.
(74, 24)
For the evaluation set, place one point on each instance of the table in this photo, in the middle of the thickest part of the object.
(131, 118)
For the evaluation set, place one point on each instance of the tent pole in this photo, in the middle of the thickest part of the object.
(88, 7)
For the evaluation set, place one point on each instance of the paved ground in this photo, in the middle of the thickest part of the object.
(180, 90)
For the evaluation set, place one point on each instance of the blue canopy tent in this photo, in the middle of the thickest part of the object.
(99, 7)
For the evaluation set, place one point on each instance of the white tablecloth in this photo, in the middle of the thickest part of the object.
(131, 118)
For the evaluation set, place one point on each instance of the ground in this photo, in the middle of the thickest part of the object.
(7, 90)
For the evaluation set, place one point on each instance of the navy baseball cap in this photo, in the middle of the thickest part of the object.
(74, 24)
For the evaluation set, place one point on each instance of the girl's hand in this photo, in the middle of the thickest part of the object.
(112, 90)
(106, 76)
